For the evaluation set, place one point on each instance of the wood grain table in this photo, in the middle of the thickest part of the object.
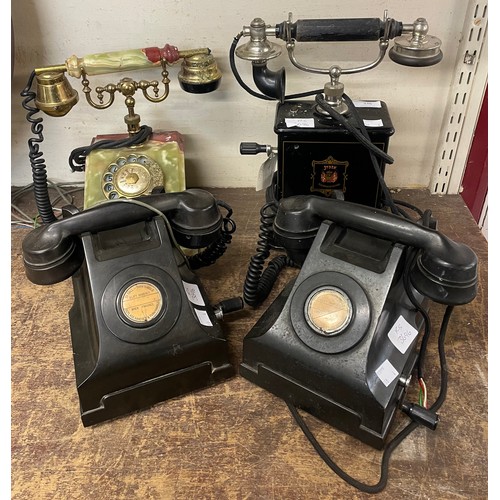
(235, 440)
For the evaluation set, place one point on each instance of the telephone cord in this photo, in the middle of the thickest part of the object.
(258, 282)
(215, 250)
(38, 167)
(396, 441)
(78, 156)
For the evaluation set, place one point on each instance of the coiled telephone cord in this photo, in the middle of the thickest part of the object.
(258, 283)
(38, 167)
(215, 250)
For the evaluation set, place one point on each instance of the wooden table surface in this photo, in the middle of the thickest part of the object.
(235, 440)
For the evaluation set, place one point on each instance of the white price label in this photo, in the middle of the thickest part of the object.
(402, 334)
(203, 317)
(386, 373)
(373, 123)
(193, 293)
(300, 122)
(367, 104)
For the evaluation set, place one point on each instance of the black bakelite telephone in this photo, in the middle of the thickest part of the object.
(141, 324)
(340, 341)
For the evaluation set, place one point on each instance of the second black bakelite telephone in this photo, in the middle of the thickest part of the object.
(340, 341)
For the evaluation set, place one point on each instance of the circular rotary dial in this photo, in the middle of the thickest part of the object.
(131, 176)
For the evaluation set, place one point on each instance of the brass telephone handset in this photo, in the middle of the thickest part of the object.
(118, 165)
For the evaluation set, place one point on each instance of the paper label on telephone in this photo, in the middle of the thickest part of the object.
(300, 122)
(203, 317)
(193, 293)
(266, 171)
(402, 334)
(386, 373)
(373, 123)
(367, 104)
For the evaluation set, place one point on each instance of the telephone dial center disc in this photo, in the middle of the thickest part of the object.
(328, 311)
(141, 302)
(131, 176)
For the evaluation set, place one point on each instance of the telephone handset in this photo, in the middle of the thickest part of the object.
(142, 327)
(118, 165)
(340, 340)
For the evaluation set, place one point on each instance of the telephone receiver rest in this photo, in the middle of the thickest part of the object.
(53, 252)
(445, 270)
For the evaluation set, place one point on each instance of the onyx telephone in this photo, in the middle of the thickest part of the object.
(117, 165)
(142, 326)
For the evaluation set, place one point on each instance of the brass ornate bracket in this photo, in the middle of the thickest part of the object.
(128, 87)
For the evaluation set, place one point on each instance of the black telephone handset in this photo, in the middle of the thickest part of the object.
(142, 326)
(445, 270)
(52, 252)
(340, 340)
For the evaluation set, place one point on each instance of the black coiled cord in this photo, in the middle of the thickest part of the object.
(38, 168)
(216, 249)
(78, 156)
(258, 284)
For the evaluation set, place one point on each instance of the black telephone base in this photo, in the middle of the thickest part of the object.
(156, 390)
(354, 378)
(142, 328)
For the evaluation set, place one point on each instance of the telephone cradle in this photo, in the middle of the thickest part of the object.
(340, 341)
(142, 326)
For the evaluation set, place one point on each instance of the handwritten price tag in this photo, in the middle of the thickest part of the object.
(402, 334)
(193, 293)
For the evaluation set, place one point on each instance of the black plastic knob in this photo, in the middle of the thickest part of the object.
(252, 148)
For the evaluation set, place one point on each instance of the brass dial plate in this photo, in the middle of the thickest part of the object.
(131, 176)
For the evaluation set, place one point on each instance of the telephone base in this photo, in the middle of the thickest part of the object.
(303, 396)
(128, 172)
(324, 158)
(326, 344)
(156, 390)
(142, 328)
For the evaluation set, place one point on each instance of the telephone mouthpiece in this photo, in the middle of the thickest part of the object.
(419, 49)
